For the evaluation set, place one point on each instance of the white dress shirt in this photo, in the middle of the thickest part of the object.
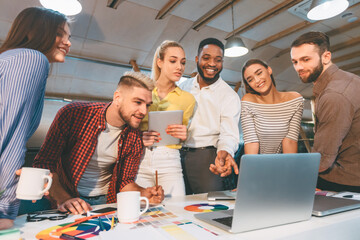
(216, 116)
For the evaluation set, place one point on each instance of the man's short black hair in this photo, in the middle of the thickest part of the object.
(208, 41)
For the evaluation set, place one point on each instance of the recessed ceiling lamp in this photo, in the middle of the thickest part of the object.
(234, 46)
(67, 7)
(350, 17)
(324, 9)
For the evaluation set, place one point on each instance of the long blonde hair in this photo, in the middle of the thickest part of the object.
(159, 54)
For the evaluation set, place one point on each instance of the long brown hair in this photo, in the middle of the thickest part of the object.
(35, 28)
(248, 63)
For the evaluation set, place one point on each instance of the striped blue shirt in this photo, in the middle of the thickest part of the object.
(23, 74)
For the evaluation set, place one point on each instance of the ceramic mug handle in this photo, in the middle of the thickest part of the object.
(147, 204)
(48, 184)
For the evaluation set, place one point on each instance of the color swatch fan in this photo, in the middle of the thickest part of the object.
(84, 230)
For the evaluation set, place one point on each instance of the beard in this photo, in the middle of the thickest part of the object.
(206, 79)
(127, 118)
(316, 72)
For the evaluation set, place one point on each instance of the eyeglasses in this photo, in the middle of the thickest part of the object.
(52, 215)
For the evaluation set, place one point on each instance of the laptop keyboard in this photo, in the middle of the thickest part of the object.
(225, 220)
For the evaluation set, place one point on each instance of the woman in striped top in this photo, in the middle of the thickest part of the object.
(37, 37)
(270, 119)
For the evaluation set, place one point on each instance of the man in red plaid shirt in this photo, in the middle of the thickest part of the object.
(94, 149)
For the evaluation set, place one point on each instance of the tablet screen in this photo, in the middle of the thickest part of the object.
(159, 120)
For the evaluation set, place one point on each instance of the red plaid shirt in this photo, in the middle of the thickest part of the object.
(71, 142)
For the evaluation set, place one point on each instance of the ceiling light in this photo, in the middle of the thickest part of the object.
(234, 46)
(324, 9)
(350, 17)
(67, 7)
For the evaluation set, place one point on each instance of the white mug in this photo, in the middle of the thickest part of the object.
(128, 206)
(31, 183)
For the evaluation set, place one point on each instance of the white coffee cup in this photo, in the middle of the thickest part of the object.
(128, 206)
(31, 183)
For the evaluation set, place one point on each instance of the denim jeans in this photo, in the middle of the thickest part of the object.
(27, 206)
(97, 200)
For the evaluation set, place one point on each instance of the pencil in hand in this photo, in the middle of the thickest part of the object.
(156, 180)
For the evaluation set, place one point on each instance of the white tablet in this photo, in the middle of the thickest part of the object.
(159, 120)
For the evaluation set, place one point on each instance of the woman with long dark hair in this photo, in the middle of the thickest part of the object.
(270, 119)
(37, 37)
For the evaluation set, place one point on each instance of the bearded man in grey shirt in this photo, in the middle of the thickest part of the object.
(337, 112)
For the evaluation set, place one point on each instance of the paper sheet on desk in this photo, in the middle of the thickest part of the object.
(190, 231)
(348, 195)
(10, 234)
(198, 232)
(148, 233)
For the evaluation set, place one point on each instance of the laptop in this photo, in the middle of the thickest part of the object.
(272, 189)
(323, 205)
(221, 195)
(326, 205)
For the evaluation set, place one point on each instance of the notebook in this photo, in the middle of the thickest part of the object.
(272, 189)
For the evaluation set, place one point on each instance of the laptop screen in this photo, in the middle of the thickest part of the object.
(272, 189)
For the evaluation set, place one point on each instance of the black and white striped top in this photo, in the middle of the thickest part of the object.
(269, 124)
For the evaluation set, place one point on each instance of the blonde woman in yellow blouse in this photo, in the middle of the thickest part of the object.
(168, 67)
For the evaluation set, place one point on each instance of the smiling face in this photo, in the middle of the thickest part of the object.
(61, 46)
(173, 65)
(132, 104)
(210, 63)
(308, 63)
(259, 78)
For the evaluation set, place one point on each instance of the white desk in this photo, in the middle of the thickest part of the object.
(342, 226)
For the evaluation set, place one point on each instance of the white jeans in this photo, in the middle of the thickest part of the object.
(167, 162)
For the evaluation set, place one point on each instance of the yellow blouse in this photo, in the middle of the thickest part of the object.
(177, 99)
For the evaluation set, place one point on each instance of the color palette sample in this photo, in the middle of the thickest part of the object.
(155, 216)
(169, 225)
(84, 230)
(205, 207)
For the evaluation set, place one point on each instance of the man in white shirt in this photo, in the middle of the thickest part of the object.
(213, 132)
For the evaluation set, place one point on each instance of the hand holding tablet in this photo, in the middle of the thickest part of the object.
(177, 131)
(150, 137)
